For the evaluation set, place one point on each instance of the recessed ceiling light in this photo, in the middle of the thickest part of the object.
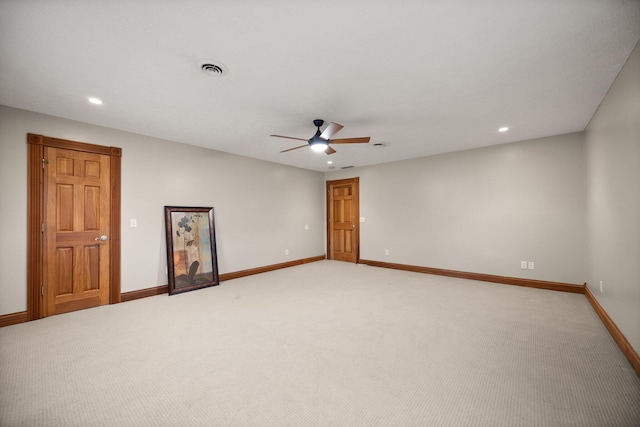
(96, 101)
(329, 162)
(503, 129)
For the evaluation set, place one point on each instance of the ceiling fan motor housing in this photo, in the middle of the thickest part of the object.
(316, 137)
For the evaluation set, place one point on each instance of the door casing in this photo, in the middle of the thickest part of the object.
(35, 216)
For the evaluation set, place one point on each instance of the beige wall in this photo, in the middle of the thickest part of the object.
(613, 201)
(261, 208)
(481, 210)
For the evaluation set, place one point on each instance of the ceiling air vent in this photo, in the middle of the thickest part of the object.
(346, 167)
(213, 68)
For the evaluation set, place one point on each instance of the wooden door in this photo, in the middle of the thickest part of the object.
(343, 233)
(76, 258)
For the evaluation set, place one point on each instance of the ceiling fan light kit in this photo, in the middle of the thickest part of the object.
(322, 139)
(319, 146)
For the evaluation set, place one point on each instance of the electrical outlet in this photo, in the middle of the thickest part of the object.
(286, 251)
(523, 265)
(601, 289)
(532, 265)
(386, 251)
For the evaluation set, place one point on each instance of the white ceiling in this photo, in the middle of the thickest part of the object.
(421, 77)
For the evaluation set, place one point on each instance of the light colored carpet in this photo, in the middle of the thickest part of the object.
(322, 344)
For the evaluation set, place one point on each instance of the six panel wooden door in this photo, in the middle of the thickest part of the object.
(76, 230)
(342, 220)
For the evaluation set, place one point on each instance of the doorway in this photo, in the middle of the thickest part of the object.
(73, 247)
(343, 212)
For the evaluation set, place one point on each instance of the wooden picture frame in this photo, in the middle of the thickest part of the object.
(191, 248)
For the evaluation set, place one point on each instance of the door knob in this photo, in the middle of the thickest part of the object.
(103, 238)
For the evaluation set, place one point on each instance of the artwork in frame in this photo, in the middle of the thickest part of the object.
(191, 248)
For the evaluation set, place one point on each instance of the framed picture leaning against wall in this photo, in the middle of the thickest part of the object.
(191, 248)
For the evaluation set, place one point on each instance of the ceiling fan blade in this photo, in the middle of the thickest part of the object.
(329, 150)
(288, 137)
(295, 148)
(331, 130)
(361, 140)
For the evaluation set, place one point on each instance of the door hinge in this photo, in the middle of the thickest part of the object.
(43, 162)
(42, 227)
(42, 290)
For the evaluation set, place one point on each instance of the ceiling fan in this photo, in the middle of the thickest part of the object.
(321, 140)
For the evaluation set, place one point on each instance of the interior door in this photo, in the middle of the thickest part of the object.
(76, 258)
(343, 233)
